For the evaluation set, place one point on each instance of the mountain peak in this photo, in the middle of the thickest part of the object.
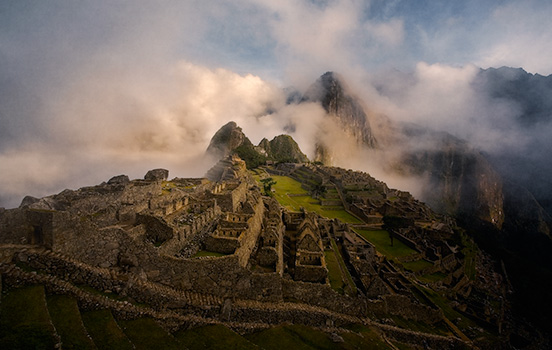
(230, 139)
(226, 139)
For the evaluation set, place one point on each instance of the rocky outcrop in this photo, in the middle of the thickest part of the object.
(121, 180)
(153, 175)
(230, 139)
(282, 148)
(226, 139)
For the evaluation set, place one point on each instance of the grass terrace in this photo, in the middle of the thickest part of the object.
(291, 195)
(417, 265)
(380, 239)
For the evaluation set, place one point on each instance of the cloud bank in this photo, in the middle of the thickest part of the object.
(99, 88)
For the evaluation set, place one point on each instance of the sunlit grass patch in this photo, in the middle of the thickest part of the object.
(380, 239)
(291, 195)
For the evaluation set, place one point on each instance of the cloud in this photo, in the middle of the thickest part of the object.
(97, 88)
(110, 123)
(520, 36)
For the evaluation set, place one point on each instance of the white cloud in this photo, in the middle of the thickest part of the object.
(519, 35)
(390, 34)
(111, 123)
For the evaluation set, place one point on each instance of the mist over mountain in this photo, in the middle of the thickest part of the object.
(454, 176)
(529, 97)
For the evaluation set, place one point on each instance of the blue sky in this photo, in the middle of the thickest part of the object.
(120, 86)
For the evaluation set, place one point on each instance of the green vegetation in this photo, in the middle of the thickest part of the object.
(213, 337)
(207, 253)
(380, 239)
(432, 278)
(334, 272)
(306, 338)
(439, 328)
(348, 279)
(291, 337)
(104, 330)
(66, 317)
(470, 252)
(24, 320)
(249, 154)
(146, 334)
(291, 195)
(417, 265)
(267, 182)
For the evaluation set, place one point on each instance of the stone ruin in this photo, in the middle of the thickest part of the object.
(141, 237)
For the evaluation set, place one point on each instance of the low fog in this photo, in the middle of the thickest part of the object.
(94, 90)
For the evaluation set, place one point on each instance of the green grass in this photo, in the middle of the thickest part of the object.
(291, 337)
(470, 252)
(66, 317)
(439, 328)
(24, 320)
(105, 331)
(207, 253)
(286, 186)
(348, 279)
(417, 265)
(380, 239)
(369, 339)
(432, 278)
(213, 337)
(306, 338)
(334, 273)
(146, 334)
(444, 304)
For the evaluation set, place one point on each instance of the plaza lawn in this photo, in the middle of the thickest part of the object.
(380, 239)
(291, 195)
(417, 265)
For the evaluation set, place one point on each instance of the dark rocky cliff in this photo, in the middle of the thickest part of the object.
(343, 107)
(461, 181)
(226, 139)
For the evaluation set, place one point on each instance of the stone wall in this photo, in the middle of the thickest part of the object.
(308, 273)
(249, 239)
(14, 227)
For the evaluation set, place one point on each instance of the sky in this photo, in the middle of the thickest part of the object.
(91, 89)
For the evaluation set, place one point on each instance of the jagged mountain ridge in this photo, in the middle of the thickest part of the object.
(530, 105)
(335, 97)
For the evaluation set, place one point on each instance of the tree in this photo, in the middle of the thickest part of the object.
(318, 190)
(267, 185)
(393, 223)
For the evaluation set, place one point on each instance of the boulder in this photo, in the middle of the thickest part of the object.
(157, 175)
(120, 180)
(28, 200)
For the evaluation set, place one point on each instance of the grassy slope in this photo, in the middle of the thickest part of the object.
(105, 331)
(306, 338)
(66, 317)
(380, 239)
(213, 337)
(286, 186)
(146, 334)
(24, 320)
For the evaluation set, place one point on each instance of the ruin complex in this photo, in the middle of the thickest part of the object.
(215, 250)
